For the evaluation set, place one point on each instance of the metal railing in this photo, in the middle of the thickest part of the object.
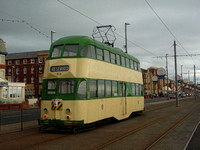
(18, 119)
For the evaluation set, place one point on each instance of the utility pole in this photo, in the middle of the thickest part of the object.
(167, 77)
(195, 83)
(189, 76)
(181, 79)
(175, 62)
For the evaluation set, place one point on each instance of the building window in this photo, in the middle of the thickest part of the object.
(2, 59)
(32, 61)
(17, 70)
(32, 70)
(40, 69)
(40, 60)
(17, 79)
(32, 79)
(25, 70)
(25, 80)
(17, 62)
(9, 71)
(40, 79)
(2, 74)
(25, 61)
(9, 62)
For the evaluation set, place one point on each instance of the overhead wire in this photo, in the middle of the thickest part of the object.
(167, 28)
(121, 36)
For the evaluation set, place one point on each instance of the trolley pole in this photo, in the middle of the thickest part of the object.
(175, 62)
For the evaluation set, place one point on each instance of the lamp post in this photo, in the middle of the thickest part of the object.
(52, 32)
(126, 36)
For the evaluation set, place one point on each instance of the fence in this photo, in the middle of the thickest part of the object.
(18, 119)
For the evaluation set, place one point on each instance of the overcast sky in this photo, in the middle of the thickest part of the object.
(147, 36)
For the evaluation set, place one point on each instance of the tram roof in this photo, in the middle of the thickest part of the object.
(85, 40)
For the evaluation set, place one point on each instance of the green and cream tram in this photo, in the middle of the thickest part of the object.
(86, 81)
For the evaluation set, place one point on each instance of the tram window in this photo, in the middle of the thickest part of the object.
(93, 88)
(122, 61)
(106, 56)
(66, 86)
(139, 67)
(127, 63)
(88, 51)
(135, 65)
(133, 89)
(131, 64)
(101, 88)
(137, 89)
(99, 54)
(142, 90)
(118, 59)
(51, 86)
(113, 58)
(114, 88)
(108, 88)
(70, 50)
(82, 90)
(122, 89)
(93, 52)
(57, 51)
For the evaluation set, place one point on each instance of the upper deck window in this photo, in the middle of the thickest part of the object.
(88, 51)
(106, 55)
(57, 51)
(99, 54)
(70, 50)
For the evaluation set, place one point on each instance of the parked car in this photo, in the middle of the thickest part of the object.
(183, 95)
(172, 95)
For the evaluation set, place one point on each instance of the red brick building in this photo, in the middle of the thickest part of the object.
(27, 67)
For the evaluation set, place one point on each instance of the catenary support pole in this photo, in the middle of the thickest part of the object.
(175, 62)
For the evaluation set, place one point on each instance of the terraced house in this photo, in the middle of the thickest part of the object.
(27, 67)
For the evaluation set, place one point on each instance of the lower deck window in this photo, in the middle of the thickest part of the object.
(82, 90)
(66, 86)
(93, 88)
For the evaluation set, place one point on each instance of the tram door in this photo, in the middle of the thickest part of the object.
(123, 98)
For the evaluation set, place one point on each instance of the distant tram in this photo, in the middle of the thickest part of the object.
(86, 81)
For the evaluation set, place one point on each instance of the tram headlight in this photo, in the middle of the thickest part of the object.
(45, 110)
(68, 111)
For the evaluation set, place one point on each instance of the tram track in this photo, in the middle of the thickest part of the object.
(170, 128)
(146, 125)
(137, 125)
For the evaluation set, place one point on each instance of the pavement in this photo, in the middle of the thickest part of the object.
(193, 143)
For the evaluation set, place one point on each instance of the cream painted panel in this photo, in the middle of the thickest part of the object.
(89, 68)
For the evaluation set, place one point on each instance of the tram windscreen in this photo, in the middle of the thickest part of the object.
(57, 50)
(70, 50)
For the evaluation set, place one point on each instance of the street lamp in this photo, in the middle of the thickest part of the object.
(126, 36)
(52, 32)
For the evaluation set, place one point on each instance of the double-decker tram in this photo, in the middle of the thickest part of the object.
(86, 81)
